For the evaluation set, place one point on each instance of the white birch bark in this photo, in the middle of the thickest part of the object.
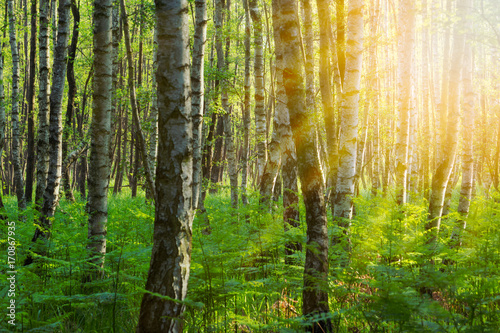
(198, 97)
(260, 113)
(42, 147)
(16, 131)
(349, 116)
(170, 260)
(99, 162)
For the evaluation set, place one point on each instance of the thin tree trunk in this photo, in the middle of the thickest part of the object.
(71, 99)
(405, 47)
(16, 131)
(42, 162)
(349, 122)
(246, 109)
(468, 151)
(260, 112)
(30, 163)
(2, 128)
(325, 47)
(170, 260)
(198, 98)
(99, 164)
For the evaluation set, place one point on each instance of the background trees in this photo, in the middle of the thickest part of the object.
(409, 94)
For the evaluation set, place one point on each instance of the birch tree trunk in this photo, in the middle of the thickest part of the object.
(246, 109)
(349, 119)
(99, 163)
(30, 95)
(325, 49)
(2, 122)
(170, 261)
(153, 116)
(42, 162)
(468, 150)
(71, 98)
(445, 165)
(16, 131)
(198, 98)
(405, 46)
(51, 193)
(260, 113)
(315, 293)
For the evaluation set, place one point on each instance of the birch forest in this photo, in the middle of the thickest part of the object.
(250, 166)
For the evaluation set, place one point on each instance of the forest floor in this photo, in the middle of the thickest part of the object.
(240, 282)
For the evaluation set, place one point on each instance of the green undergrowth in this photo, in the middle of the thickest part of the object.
(239, 281)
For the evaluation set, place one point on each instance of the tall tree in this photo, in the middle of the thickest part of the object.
(325, 48)
(2, 120)
(170, 260)
(71, 98)
(405, 47)
(349, 117)
(246, 108)
(51, 193)
(198, 90)
(30, 95)
(315, 294)
(42, 162)
(99, 163)
(284, 137)
(260, 113)
(16, 131)
(445, 165)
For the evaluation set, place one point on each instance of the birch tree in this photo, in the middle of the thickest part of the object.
(445, 165)
(260, 113)
(2, 120)
(16, 131)
(99, 163)
(170, 260)
(198, 98)
(42, 153)
(30, 96)
(315, 295)
(405, 46)
(51, 193)
(349, 117)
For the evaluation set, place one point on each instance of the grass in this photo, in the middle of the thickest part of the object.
(239, 280)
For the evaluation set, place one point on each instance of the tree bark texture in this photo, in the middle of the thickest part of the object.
(198, 97)
(51, 193)
(315, 293)
(260, 112)
(42, 147)
(30, 95)
(16, 131)
(170, 261)
(99, 163)
(349, 116)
